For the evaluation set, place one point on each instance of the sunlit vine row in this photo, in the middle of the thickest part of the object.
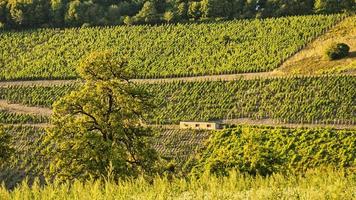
(162, 51)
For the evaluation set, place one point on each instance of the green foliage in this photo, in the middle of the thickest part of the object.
(28, 12)
(266, 151)
(178, 145)
(161, 51)
(5, 149)
(43, 96)
(318, 184)
(173, 145)
(100, 127)
(337, 51)
(25, 161)
(295, 100)
(148, 13)
(59, 13)
(3, 13)
(194, 10)
(216, 8)
(15, 118)
(168, 16)
(332, 6)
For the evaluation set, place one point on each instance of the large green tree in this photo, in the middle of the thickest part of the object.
(29, 12)
(101, 126)
(332, 6)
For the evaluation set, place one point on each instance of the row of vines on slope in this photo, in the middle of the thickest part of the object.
(327, 99)
(175, 145)
(17, 118)
(162, 51)
(290, 100)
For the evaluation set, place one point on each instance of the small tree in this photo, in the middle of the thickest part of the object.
(337, 51)
(194, 10)
(101, 126)
(168, 16)
(148, 13)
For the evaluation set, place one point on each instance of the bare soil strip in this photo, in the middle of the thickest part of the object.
(226, 77)
(21, 109)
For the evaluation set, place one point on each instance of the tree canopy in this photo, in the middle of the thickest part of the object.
(101, 127)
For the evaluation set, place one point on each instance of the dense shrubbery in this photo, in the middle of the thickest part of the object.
(266, 151)
(162, 51)
(337, 51)
(59, 13)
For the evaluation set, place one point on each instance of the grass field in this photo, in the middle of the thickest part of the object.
(316, 184)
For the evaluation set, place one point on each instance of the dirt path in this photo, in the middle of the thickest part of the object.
(21, 109)
(226, 77)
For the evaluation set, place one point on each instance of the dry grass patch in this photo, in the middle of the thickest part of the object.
(311, 59)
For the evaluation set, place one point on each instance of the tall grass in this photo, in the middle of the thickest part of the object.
(316, 184)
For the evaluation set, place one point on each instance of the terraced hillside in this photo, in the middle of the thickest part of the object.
(245, 54)
(162, 51)
(326, 99)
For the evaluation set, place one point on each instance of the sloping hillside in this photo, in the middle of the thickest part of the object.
(311, 60)
(237, 46)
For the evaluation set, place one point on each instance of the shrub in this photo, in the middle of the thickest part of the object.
(337, 51)
(267, 150)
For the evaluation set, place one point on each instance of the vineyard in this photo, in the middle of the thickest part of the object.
(278, 148)
(325, 99)
(16, 118)
(299, 100)
(175, 145)
(268, 150)
(43, 96)
(189, 49)
(179, 144)
(284, 133)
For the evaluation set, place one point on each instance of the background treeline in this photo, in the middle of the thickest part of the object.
(60, 13)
